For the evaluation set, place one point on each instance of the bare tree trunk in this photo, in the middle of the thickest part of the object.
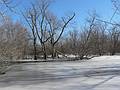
(35, 49)
(53, 51)
(44, 51)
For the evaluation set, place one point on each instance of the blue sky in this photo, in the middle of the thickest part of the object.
(103, 8)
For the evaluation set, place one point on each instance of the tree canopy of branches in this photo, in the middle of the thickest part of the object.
(44, 25)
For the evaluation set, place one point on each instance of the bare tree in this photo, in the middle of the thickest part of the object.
(98, 39)
(114, 37)
(13, 41)
(5, 6)
(57, 26)
(85, 36)
(37, 21)
(73, 42)
(31, 17)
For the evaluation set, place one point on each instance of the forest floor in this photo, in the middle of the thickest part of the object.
(98, 73)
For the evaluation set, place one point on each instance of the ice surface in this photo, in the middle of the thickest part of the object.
(99, 73)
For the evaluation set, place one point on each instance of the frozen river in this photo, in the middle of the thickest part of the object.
(99, 73)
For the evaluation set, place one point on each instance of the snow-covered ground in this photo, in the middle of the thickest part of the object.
(99, 73)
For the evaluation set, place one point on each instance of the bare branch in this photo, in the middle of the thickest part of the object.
(64, 26)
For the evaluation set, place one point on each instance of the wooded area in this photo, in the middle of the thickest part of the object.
(47, 36)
